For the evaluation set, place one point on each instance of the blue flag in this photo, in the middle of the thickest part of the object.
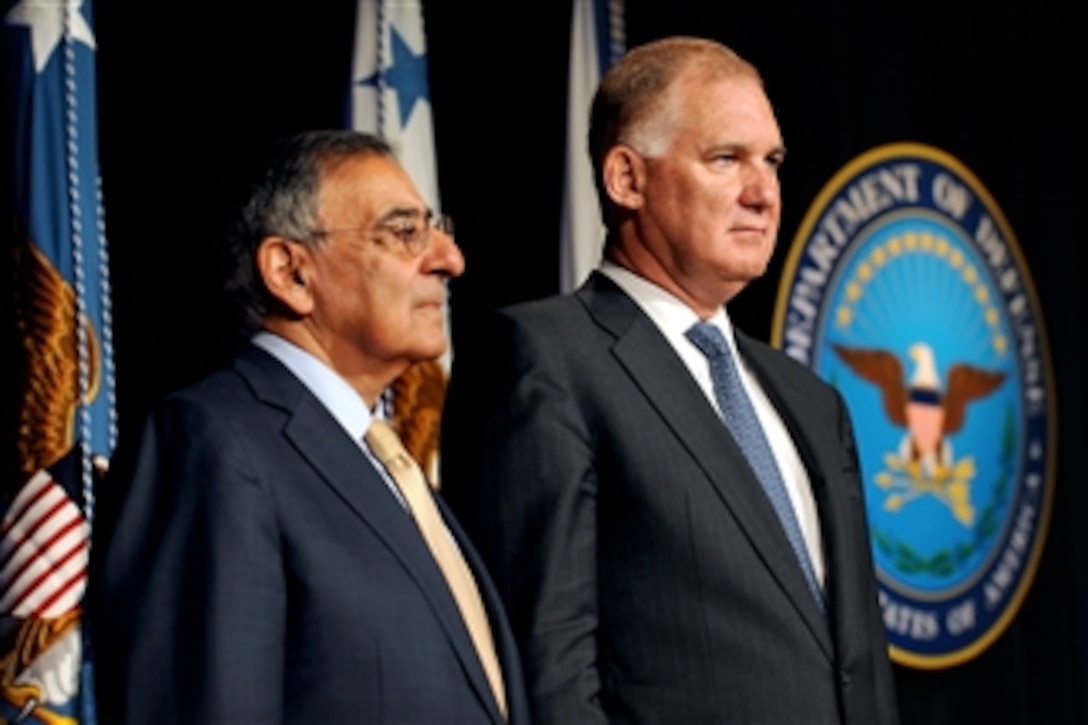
(67, 427)
(390, 91)
(596, 42)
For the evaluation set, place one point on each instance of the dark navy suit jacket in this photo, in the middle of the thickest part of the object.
(253, 567)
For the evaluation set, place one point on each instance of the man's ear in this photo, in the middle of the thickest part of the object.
(624, 175)
(287, 271)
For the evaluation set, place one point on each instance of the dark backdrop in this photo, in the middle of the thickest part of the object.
(186, 92)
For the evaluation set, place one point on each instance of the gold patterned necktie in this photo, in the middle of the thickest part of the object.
(408, 476)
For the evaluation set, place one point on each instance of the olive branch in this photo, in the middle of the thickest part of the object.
(948, 561)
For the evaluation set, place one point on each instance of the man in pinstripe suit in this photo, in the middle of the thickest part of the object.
(646, 573)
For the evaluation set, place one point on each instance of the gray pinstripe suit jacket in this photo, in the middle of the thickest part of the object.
(645, 574)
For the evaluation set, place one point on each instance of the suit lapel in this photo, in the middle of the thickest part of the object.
(832, 474)
(505, 646)
(320, 440)
(659, 373)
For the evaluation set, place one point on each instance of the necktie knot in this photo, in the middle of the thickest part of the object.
(386, 445)
(709, 339)
(711, 342)
(383, 441)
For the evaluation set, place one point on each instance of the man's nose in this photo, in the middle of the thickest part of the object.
(443, 255)
(761, 189)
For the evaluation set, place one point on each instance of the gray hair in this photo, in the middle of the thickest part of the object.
(632, 104)
(282, 201)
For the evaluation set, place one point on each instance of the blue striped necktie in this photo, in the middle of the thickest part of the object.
(742, 422)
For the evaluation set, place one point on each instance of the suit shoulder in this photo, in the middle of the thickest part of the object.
(226, 404)
(534, 312)
(543, 323)
(221, 390)
(253, 378)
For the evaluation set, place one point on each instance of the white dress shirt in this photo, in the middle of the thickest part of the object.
(673, 318)
(341, 400)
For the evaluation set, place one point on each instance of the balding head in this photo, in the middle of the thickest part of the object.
(633, 105)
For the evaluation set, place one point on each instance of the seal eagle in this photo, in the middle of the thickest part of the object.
(929, 413)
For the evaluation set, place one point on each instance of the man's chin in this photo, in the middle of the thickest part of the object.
(429, 351)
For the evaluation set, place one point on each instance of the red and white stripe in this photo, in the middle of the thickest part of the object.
(44, 547)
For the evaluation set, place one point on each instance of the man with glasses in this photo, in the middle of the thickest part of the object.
(271, 554)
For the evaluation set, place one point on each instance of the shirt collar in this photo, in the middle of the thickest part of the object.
(672, 316)
(339, 398)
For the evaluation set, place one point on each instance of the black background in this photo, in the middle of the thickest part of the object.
(186, 91)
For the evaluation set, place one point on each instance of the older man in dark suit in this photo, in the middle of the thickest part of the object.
(671, 510)
(276, 556)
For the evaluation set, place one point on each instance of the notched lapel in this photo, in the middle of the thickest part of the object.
(341, 464)
(656, 369)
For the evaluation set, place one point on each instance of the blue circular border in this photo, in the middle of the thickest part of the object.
(941, 629)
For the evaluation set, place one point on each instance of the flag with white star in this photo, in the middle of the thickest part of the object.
(64, 383)
(390, 92)
(596, 42)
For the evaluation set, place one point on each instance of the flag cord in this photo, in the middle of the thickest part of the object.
(71, 133)
(379, 68)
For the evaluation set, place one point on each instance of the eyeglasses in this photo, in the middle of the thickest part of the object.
(406, 230)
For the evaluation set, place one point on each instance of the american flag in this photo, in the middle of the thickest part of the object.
(43, 552)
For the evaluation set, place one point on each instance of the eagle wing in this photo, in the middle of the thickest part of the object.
(883, 369)
(45, 311)
(966, 383)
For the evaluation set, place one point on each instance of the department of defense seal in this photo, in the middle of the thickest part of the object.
(906, 290)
